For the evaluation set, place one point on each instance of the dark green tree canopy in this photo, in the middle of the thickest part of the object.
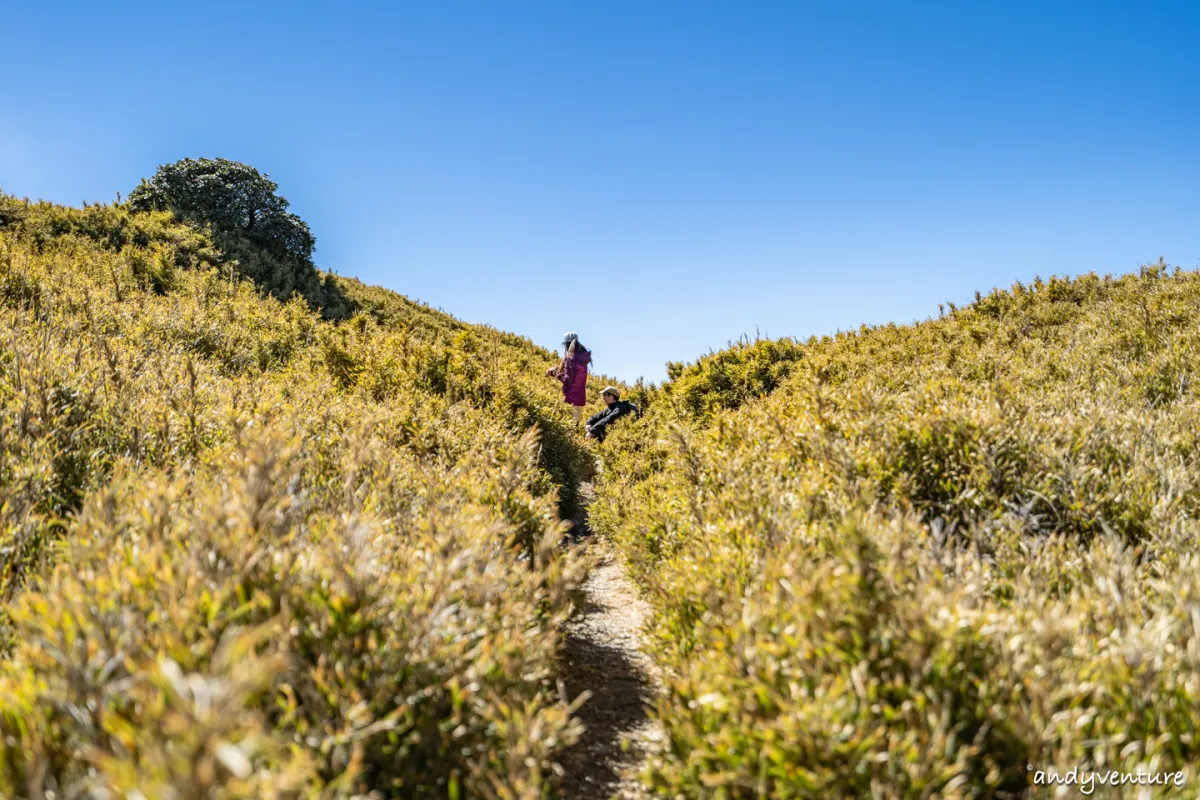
(249, 221)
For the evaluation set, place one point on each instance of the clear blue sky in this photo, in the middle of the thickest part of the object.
(660, 177)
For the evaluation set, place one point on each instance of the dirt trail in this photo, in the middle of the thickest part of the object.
(603, 656)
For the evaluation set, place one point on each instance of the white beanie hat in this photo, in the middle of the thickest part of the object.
(568, 338)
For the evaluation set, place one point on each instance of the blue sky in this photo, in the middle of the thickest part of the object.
(660, 177)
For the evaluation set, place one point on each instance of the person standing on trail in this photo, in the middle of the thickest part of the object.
(614, 409)
(572, 371)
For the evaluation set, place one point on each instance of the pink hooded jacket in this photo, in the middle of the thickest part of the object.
(573, 372)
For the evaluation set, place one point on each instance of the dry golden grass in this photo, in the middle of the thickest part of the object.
(248, 553)
(934, 555)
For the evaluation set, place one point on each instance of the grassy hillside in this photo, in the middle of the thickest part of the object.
(915, 561)
(245, 552)
(249, 552)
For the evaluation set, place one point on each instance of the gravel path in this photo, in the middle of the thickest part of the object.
(603, 656)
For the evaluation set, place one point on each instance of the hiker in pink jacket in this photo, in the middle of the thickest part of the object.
(573, 372)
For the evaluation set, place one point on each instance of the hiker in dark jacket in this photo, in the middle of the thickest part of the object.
(615, 408)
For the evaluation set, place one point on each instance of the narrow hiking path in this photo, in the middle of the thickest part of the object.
(603, 656)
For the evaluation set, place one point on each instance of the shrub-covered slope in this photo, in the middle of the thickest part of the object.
(934, 556)
(245, 552)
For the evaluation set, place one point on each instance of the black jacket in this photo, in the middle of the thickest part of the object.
(597, 423)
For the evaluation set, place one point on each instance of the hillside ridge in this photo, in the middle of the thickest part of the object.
(257, 552)
(251, 552)
(925, 559)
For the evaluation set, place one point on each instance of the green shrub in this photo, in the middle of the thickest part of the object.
(731, 377)
(393, 669)
(931, 554)
(245, 552)
(249, 221)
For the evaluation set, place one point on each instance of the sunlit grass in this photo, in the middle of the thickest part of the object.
(248, 553)
(913, 561)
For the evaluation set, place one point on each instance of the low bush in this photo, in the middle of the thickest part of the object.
(246, 552)
(932, 555)
(729, 378)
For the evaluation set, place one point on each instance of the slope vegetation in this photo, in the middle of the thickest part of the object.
(245, 552)
(926, 560)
